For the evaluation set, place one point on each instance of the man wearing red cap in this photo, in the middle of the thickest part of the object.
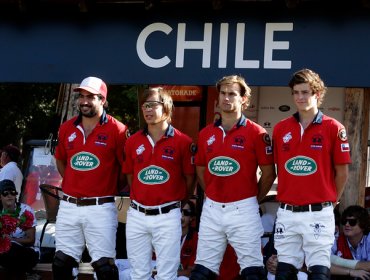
(89, 156)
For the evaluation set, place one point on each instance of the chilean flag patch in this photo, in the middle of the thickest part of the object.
(344, 147)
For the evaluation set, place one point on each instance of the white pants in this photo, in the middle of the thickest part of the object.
(304, 236)
(237, 223)
(94, 226)
(160, 232)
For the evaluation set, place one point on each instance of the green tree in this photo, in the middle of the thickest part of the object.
(123, 104)
(27, 112)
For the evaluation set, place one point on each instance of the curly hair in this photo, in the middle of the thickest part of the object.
(313, 79)
(361, 214)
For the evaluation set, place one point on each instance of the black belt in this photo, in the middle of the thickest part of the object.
(305, 208)
(157, 210)
(88, 201)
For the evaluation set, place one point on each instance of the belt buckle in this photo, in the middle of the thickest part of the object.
(78, 202)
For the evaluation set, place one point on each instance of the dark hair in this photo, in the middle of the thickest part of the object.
(12, 151)
(359, 213)
(313, 79)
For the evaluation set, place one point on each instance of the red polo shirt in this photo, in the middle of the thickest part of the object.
(158, 171)
(305, 163)
(93, 164)
(231, 159)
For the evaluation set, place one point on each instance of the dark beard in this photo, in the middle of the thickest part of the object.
(92, 113)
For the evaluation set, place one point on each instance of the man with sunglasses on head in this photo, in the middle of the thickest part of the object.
(160, 173)
(351, 251)
(311, 151)
(89, 156)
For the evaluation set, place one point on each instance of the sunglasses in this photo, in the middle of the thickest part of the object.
(6, 193)
(352, 222)
(186, 212)
(151, 105)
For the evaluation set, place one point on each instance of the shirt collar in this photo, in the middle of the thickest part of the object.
(241, 122)
(317, 119)
(103, 119)
(170, 131)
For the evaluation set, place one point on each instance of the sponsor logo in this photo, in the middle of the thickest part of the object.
(223, 166)
(84, 161)
(287, 137)
(317, 141)
(284, 108)
(101, 139)
(279, 231)
(342, 135)
(333, 109)
(238, 142)
(301, 166)
(140, 149)
(317, 229)
(168, 152)
(72, 137)
(267, 124)
(211, 140)
(266, 139)
(153, 175)
(268, 150)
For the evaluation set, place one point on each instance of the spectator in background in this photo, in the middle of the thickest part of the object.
(18, 254)
(351, 250)
(9, 161)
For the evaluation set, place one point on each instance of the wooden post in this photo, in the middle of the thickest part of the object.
(356, 121)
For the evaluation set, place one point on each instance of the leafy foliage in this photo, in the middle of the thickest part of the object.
(27, 112)
(123, 104)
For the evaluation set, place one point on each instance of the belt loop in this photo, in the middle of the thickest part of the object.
(310, 207)
(160, 210)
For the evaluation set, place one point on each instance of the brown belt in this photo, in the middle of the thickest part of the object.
(88, 201)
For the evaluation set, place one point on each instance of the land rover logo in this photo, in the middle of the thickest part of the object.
(223, 166)
(153, 175)
(301, 166)
(84, 161)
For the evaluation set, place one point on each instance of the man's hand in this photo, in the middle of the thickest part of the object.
(363, 265)
(272, 263)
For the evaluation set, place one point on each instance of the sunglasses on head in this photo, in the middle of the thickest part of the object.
(352, 222)
(186, 212)
(6, 193)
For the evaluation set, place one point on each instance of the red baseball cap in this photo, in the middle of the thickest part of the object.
(93, 85)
